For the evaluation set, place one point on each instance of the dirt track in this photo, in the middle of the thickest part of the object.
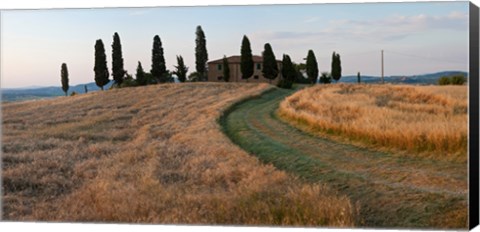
(390, 190)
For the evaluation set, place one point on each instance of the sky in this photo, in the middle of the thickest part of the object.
(417, 38)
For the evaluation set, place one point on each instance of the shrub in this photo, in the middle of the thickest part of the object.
(283, 83)
(128, 82)
(444, 81)
(325, 78)
(458, 80)
(193, 77)
(452, 80)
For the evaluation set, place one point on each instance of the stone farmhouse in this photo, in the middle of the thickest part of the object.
(215, 70)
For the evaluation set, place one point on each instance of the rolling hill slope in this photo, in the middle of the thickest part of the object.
(153, 154)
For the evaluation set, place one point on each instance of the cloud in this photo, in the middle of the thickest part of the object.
(311, 20)
(392, 28)
(139, 12)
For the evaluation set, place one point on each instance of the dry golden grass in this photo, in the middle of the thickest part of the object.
(152, 154)
(423, 120)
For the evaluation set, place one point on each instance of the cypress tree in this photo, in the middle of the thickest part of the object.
(336, 67)
(182, 70)
(201, 55)
(312, 67)
(288, 73)
(140, 75)
(118, 72)
(246, 59)
(101, 69)
(226, 69)
(64, 75)
(159, 69)
(270, 66)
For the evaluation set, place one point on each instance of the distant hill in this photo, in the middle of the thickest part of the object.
(38, 92)
(424, 79)
(31, 93)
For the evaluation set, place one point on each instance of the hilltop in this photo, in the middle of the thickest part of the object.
(153, 154)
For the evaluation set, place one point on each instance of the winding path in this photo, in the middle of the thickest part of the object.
(389, 190)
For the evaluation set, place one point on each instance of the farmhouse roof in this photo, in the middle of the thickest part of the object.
(237, 59)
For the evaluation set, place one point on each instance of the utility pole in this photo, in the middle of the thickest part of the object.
(383, 82)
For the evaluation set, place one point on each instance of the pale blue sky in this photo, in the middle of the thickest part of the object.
(34, 43)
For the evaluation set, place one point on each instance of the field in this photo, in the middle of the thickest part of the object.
(428, 121)
(152, 154)
(389, 189)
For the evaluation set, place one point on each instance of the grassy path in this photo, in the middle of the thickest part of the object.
(390, 191)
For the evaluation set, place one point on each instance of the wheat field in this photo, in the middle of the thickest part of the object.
(429, 121)
(152, 154)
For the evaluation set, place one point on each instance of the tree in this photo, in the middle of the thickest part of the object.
(101, 69)
(444, 80)
(201, 55)
(140, 75)
(118, 72)
(325, 78)
(452, 80)
(336, 67)
(270, 66)
(64, 75)
(288, 73)
(458, 80)
(312, 67)
(169, 76)
(159, 69)
(359, 78)
(193, 77)
(300, 69)
(246, 59)
(149, 79)
(128, 81)
(226, 69)
(181, 69)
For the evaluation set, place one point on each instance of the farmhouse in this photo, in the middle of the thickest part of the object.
(215, 70)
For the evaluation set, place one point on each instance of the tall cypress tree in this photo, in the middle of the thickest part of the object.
(312, 67)
(270, 66)
(201, 55)
(140, 75)
(101, 69)
(288, 73)
(182, 70)
(64, 75)
(226, 69)
(336, 67)
(159, 70)
(118, 72)
(246, 59)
